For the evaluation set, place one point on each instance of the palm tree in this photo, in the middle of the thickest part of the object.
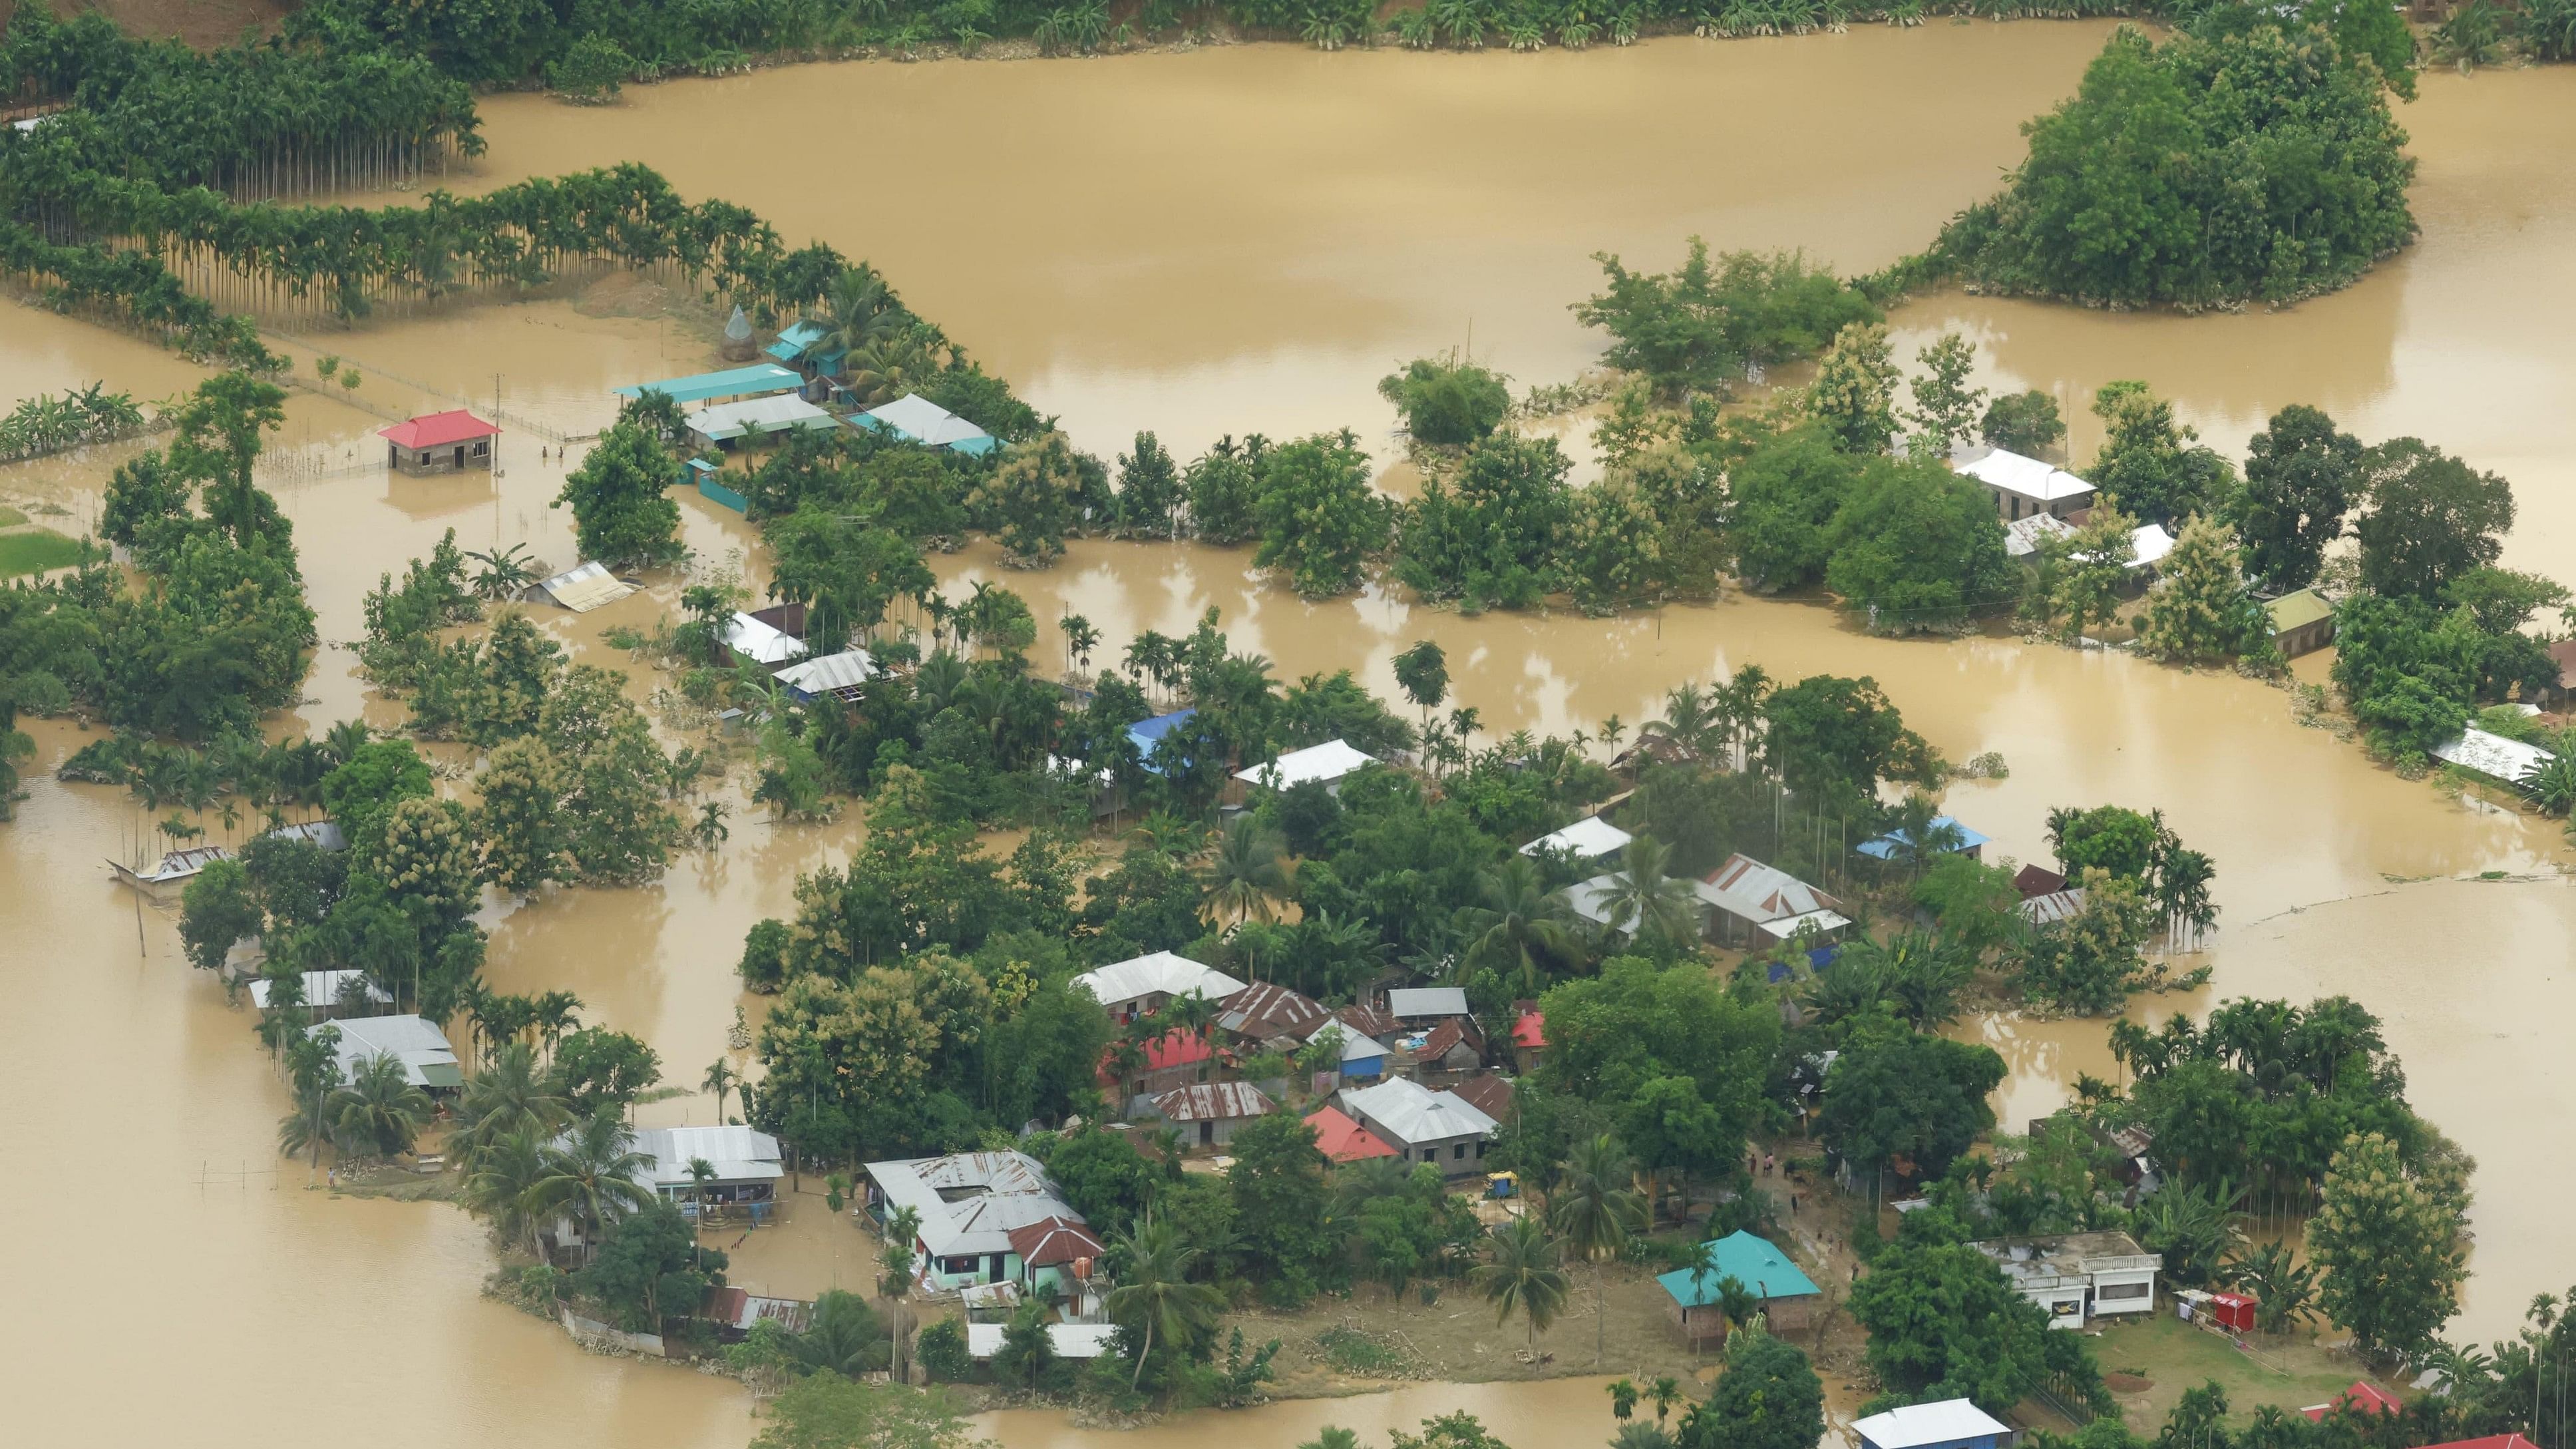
(1523, 1277)
(379, 1111)
(511, 1096)
(498, 1186)
(859, 312)
(1918, 972)
(305, 1129)
(1595, 1209)
(1246, 872)
(1643, 899)
(720, 1079)
(1518, 927)
(701, 1173)
(553, 1014)
(1155, 1290)
(844, 1335)
(590, 1175)
(1691, 725)
(2284, 1290)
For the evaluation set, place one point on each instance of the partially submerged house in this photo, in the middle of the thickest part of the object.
(1949, 1424)
(735, 1311)
(1422, 1125)
(448, 442)
(2078, 1277)
(429, 1062)
(1142, 985)
(757, 380)
(1588, 839)
(2302, 622)
(168, 878)
(2493, 756)
(839, 676)
(1946, 834)
(800, 345)
(2054, 907)
(1759, 906)
(1782, 1291)
(1209, 1112)
(1147, 734)
(752, 638)
(918, 419)
(2022, 486)
(1342, 1139)
(1327, 764)
(978, 1211)
(746, 1162)
(582, 588)
(2037, 880)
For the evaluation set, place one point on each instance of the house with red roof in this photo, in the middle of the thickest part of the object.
(447, 442)
(2492, 1441)
(1177, 1058)
(2361, 1398)
(1529, 1037)
(1344, 1140)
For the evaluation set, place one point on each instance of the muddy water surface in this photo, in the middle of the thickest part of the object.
(1225, 242)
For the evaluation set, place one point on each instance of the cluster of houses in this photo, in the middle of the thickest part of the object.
(2039, 501)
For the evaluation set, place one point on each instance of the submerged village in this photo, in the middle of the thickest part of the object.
(676, 858)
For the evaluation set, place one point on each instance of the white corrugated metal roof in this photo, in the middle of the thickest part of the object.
(1407, 1002)
(1163, 972)
(2053, 907)
(2151, 543)
(2022, 535)
(738, 1154)
(2493, 754)
(760, 642)
(2014, 473)
(1212, 1102)
(1326, 762)
(323, 989)
(998, 1191)
(924, 421)
(1071, 1340)
(1411, 1113)
(832, 672)
(585, 587)
(1917, 1424)
(1590, 898)
(1747, 888)
(1787, 926)
(416, 1041)
(1589, 838)
(778, 413)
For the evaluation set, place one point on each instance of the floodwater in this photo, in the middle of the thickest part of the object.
(1240, 240)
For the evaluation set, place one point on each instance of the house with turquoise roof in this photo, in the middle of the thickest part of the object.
(1781, 1290)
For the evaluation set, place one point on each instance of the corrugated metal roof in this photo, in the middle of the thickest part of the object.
(759, 642)
(738, 1154)
(1070, 1340)
(1053, 1240)
(1884, 847)
(1343, 1140)
(780, 413)
(438, 430)
(760, 377)
(2297, 610)
(585, 587)
(970, 1201)
(1589, 838)
(1406, 1003)
(2053, 907)
(2490, 754)
(1161, 972)
(1325, 763)
(1266, 1009)
(1212, 1102)
(918, 418)
(1946, 1422)
(831, 674)
(2014, 473)
(1759, 893)
(415, 1041)
(323, 989)
(1408, 1113)
(1756, 1263)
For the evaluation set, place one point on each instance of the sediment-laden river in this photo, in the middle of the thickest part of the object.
(1244, 240)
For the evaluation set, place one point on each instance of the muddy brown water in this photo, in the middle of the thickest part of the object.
(1238, 240)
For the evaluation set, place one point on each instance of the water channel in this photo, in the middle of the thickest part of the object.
(1238, 240)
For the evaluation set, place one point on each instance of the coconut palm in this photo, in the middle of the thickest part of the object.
(511, 1096)
(846, 1337)
(1595, 1209)
(1691, 726)
(590, 1175)
(1155, 1290)
(1518, 927)
(720, 1079)
(1523, 1277)
(859, 312)
(379, 1112)
(304, 1130)
(1917, 972)
(498, 1186)
(1246, 872)
(1642, 899)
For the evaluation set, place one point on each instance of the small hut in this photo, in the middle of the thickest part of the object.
(448, 442)
(738, 346)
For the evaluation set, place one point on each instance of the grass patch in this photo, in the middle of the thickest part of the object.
(2173, 1356)
(28, 553)
(1353, 1351)
(10, 517)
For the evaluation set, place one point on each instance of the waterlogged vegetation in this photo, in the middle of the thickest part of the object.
(47, 424)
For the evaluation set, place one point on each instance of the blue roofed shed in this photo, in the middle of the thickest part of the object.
(1145, 734)
(800, 345)
(754, 381)
(1787, 1295)
(1971, 844)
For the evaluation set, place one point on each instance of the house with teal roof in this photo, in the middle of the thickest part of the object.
(800, 346)
(1781, 1290)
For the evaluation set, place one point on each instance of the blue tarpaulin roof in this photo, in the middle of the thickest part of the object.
(1884, 847)
(733, 382)
(1144, 734)
(1764, 1270)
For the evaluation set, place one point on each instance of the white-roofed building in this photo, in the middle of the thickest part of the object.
(756, 417)
(1140, 985)
(1411, 1004)
(428, 1060)
(986, 1217)
(1423, 1125)
(2022, 486)
(1590, 838)
(2493, 755)
(584, 587)
(746, 1162)
(1949, 1424)
(326, 993)
(1763, 904)
(838, 675)
(1327, 764)
(761, 642)
(2050, 908)
(927, 423)
(2148, 542)
(1070, 1340)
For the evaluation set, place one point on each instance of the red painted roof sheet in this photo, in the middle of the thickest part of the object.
(437, 430)
(2364, 1399)
(2492, 1441)
(1344, 1140)
(1530, 1030)
(1052, 1240)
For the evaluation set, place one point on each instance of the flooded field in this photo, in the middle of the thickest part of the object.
(1232, 241)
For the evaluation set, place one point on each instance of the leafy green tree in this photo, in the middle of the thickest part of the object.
(1829, 733)
(649, 1268)
(2149, 462)
(596, 1069)
(2081, 574)
(2430, 519)
(427, 863)
(1974, 904)
(2023, 422)
(1854, 395)
(621, 504)
(519, 819)
(1319, 519)
(1694, 329)
(1609, 1035)
(1224, 486)
(592, 70)
(511, 1097)
(2202, 610)
(1150, 495)
(1787, 494)
(1523, 1277)
(1894, 1090)
(1944, 1322)
(217, 909)
(1447, 403)
(364, 788)
(1769, 1398)
(2089, 962)
(2301, 475)
(2363, 30)
(828, 1411)
(1945, 405)
(2389, 1249)
(845, 572)
(1919, 547)
(1497, 537)
(1277, 1184)
(1032, 500)
(1422, 672)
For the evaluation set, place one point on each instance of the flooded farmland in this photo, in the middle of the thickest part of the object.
(1244, 240)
